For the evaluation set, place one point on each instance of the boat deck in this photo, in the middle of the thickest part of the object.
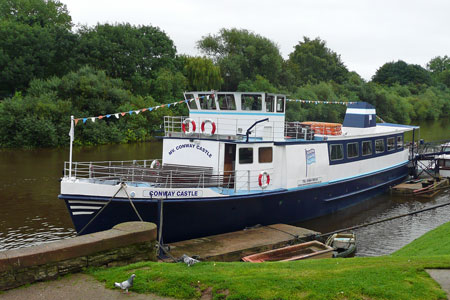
(233, 246)
(416, 188)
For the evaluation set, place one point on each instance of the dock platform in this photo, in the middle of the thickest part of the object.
(416, 188)
(233, 246)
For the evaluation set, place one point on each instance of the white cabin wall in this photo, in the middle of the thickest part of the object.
(203, 153)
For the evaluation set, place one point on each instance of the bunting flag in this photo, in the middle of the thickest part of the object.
(319, 102)
(130, 112)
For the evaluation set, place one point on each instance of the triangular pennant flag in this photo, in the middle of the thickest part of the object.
(130, 112)
(156, 107)
(163, 105)
(76, 121)
(116, 115)
(108, 116)
(137, 111)
(181, 101)
(84, 120)
(123, 113)
(150, 108)
(186, 101)
(168, 105)
(100, 117)
(144, 109)
(93, 119)
(175, 103)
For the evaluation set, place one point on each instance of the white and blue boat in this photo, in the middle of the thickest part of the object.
(234, 162)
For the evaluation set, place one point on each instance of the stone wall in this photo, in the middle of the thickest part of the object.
(123, 244)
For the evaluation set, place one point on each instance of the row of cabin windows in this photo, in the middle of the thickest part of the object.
(227, 102)
(337, 150)
(265, 155)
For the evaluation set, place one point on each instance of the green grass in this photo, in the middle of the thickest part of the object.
(434, 242)
(399, 276)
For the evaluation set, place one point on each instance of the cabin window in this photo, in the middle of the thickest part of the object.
(207, 101)
(366, 148)
(251, 102)
(399, 142)
(352, 150)
(270, 100)
(265, 155)
(336, 152)
(379, 146)
(191, 103)
(390, 144)
(245, 155)
(226, 102)
(280, 104)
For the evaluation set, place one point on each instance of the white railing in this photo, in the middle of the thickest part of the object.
(148, 173)
(237, 128)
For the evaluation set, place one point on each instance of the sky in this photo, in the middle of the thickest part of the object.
(366, 34)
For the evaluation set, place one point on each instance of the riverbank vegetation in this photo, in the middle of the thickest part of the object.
(51, 69)
(398, 276)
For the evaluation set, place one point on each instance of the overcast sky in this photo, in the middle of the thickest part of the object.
(366, 34)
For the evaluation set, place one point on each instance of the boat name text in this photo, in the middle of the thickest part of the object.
(189, 146)
(179, 193)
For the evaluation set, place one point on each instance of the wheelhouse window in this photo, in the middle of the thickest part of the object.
(390, 144)
(265, 155)
(226, 102)
(366, 148)
(270, 100)
(207, 101)
(399, 142)
(336, 152)
(191, 101)
(379, 146)
(245, 155)
(251, 102)
(280, 104)
(352, 150)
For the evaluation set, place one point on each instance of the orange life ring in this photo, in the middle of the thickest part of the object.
(155, 164)
(213, 127)
(185, 124)
(262, 184)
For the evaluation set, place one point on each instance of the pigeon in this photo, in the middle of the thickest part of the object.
(188, 260)
(126, 284)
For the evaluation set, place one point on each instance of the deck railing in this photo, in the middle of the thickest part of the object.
(150, 173)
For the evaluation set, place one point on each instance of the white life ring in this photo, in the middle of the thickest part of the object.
(213, 127)
(186, 128)
(263, 179)
(155, 164)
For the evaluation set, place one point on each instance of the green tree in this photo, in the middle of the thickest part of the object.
(132, 53)
(402, 73)
(312, 62)
(42, 13)
(202, 74)
(242, 55)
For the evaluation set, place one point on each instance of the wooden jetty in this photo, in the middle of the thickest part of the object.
(421, 188)
(235, 245)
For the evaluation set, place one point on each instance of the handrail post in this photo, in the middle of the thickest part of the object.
(248, 180)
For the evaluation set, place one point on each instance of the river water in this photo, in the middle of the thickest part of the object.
(31, 213)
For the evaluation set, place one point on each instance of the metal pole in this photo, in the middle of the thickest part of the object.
(71, 134)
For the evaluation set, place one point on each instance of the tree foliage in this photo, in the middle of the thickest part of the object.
(402, 73)
(202, 74)
(242, 55)
(312, 62)
(124, 51)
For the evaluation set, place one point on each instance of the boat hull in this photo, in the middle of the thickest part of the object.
(198, 217)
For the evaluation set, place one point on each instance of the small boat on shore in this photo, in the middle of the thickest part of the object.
(308, 250)
(344, 244)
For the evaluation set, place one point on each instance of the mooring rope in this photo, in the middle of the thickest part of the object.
(98, 213)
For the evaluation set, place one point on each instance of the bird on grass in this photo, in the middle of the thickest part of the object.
(125, 285)
(188, 260)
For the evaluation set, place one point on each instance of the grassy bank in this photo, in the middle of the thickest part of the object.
(399, 276)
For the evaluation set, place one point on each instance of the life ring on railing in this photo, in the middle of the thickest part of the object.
(155, 164)
(263, 179)
(186, 128)
(213, 127)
